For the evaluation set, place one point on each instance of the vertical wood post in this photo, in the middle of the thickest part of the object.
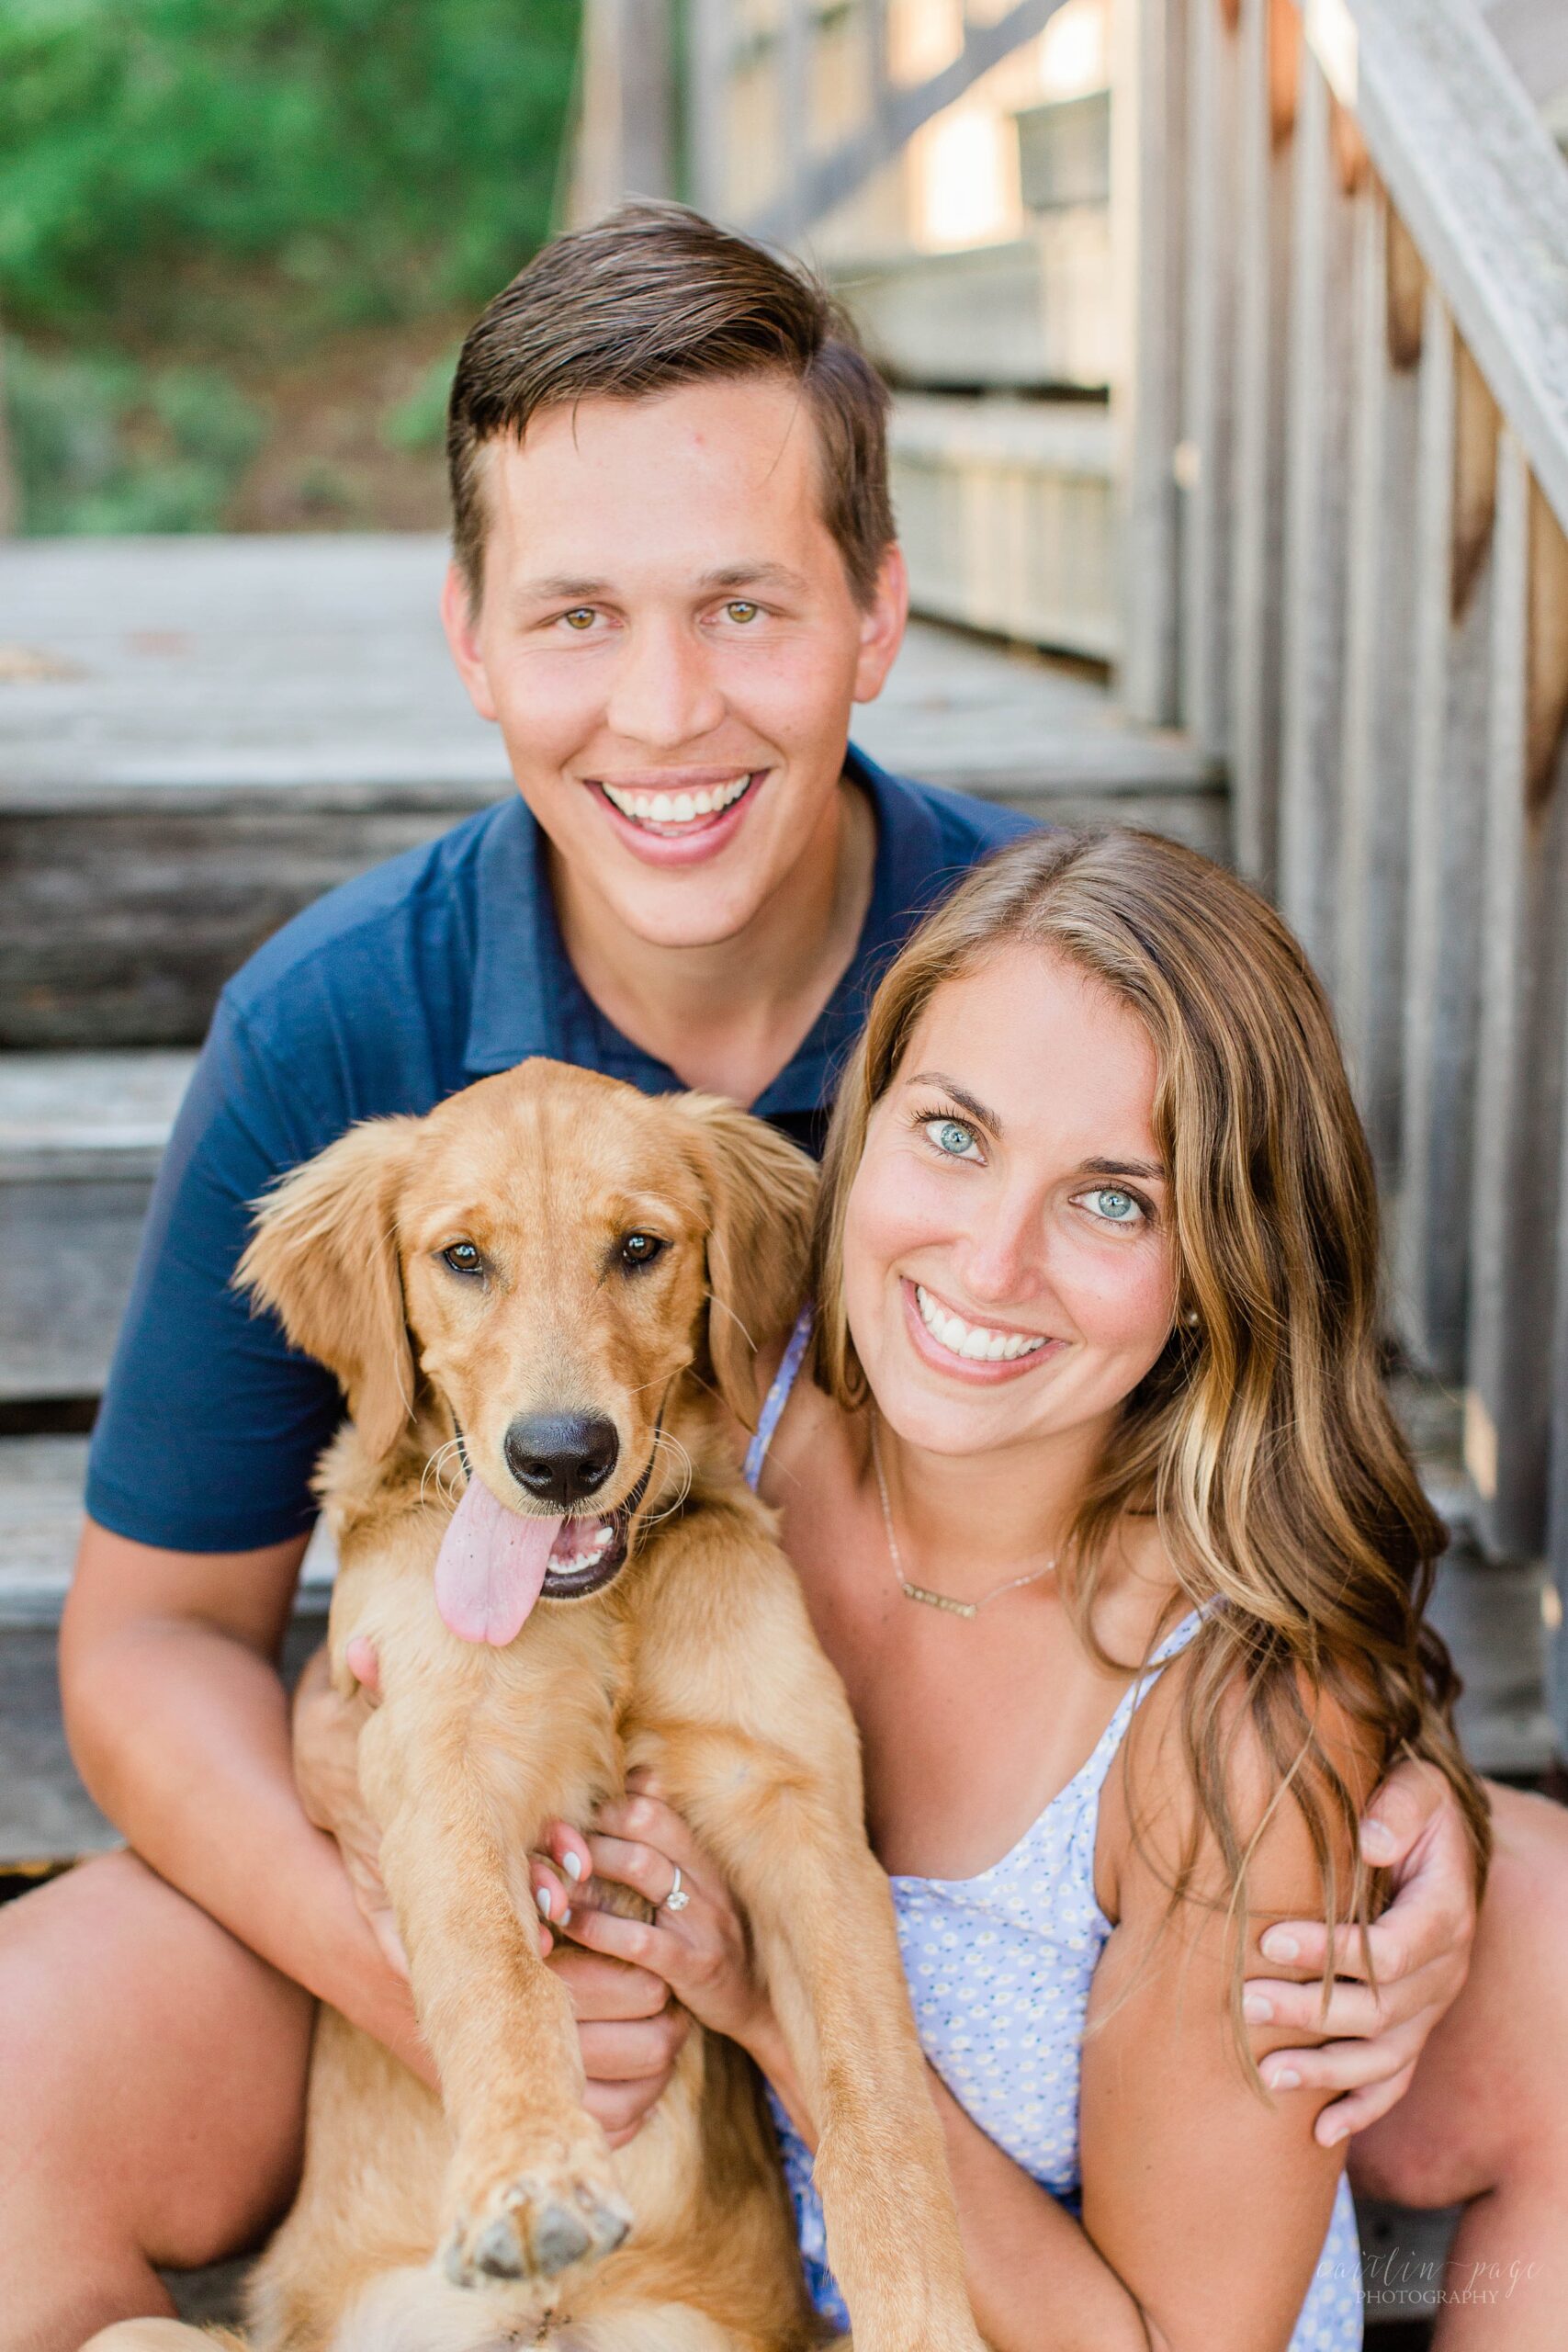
(1379, 683)
(1317, 495)
(1523, 1037)
(626, 134)
(1262, 343)
(1449, 762)
(1146, 181)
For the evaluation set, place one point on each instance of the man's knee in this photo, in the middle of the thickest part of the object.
(152, 2067)
(1484, 2111)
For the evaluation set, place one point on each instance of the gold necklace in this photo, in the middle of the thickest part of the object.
(922, 1593)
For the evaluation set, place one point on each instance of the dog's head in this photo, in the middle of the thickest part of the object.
(549, 1254)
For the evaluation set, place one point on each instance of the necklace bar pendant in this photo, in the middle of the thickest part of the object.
(937, 1600)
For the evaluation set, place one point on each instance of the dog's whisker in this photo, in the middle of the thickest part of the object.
(724, 1306)
(436, 1467)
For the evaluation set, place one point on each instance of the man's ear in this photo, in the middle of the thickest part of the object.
(459, 618)
(881, 624)
(324, 1258)
(760, 1191)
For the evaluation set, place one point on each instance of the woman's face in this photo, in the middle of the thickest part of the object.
(1009, 1273)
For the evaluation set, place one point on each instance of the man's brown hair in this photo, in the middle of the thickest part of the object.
(650, 297)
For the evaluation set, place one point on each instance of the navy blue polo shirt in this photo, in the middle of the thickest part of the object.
(388, 995)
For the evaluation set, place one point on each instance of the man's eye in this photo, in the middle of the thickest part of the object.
(639, 1250)
(464, 1259)
(953, 1139)
(739, 608)
(581, 617)
(1113, 1206)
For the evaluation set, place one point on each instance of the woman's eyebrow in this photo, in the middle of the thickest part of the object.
(1149, 1170)
(961, 1095)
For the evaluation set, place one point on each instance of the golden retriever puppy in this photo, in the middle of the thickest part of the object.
(553, 1289)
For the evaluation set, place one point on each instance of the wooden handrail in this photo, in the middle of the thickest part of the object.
(1480, 185)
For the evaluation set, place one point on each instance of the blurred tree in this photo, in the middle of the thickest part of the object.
(386, 156)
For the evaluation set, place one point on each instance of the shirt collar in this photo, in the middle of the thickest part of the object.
(528, 999)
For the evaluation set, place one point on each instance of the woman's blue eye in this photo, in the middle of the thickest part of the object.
(952, 1136)
(1114, 1206)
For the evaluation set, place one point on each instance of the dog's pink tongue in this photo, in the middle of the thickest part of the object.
(490, 1568)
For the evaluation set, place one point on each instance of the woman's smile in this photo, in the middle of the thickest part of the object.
(970, 1350)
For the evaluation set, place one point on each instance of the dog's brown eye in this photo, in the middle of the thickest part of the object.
(641, 1248)
(463, 1257)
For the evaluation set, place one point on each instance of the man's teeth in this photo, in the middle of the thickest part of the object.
(665, 808)
(973, 1339)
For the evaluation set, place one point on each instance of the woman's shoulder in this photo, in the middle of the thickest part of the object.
(1215, 1769)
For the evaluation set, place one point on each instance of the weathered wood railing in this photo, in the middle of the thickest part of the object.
(1346, 496)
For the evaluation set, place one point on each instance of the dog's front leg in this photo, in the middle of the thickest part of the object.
(530, 2189)
(789, 1834)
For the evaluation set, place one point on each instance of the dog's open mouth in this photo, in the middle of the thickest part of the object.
(495, 1561)
(585, 1555)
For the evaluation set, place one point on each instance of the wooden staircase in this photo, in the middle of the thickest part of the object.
(196, 737)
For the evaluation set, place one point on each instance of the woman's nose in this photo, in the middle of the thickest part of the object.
(663, 693)
(1001, 1259)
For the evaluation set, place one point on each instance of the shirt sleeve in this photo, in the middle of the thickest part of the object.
(211, 1424)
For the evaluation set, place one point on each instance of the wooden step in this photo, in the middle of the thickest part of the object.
(81, 1136)
(199, 736)
(1007, 510)
(46, 1816)
(1032, 314)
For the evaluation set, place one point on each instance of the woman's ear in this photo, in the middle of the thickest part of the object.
(760, 1191)
(324, 1258)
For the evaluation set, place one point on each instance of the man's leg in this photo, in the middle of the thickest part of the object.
(1485, 2120)
(153, 2100)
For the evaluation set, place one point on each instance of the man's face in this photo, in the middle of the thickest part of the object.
(668, 640)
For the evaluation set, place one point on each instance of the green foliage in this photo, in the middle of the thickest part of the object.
(383, 156)
(420, 420)
(103, 443)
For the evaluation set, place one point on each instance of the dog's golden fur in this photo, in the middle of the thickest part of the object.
(697, 1660)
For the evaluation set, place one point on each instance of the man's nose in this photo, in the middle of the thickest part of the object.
(662, 694)
(560, 1458)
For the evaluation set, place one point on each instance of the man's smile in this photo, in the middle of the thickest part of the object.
(677, 814)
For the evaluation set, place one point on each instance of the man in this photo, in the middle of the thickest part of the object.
(674, 574)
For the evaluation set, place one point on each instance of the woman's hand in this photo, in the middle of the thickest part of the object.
(1420, 1949)
(701, 1952)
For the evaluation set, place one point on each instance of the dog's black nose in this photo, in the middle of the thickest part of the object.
(561, 1458)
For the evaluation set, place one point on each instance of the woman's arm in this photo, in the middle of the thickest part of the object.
(1211, 2200)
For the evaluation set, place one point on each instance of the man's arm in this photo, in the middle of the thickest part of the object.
(178, 1721)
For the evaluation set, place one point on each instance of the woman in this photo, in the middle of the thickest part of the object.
(1101, 1513)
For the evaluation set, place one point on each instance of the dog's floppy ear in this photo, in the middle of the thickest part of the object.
(324, 1258)
(759, 1189)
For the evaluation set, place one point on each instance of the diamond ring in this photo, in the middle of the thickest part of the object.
(677, 1898)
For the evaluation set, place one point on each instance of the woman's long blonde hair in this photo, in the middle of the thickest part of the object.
(1263, 1436)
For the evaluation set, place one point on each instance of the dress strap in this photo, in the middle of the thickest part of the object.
(1132, 1699)
(778, 1398)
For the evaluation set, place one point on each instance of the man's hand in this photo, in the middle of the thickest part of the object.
(1420, 1951)
(326, 1772)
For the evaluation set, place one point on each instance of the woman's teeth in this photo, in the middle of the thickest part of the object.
(665, 812)
(972, 1339)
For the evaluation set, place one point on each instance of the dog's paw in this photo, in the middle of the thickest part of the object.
(540, 2220)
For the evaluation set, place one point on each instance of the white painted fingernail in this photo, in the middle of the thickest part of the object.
(1287, 2079)
(566, 1917)
(1377, 1841)
(542, 1898)
(573, 1867)
(1280, 1947)
(1255, 2009)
